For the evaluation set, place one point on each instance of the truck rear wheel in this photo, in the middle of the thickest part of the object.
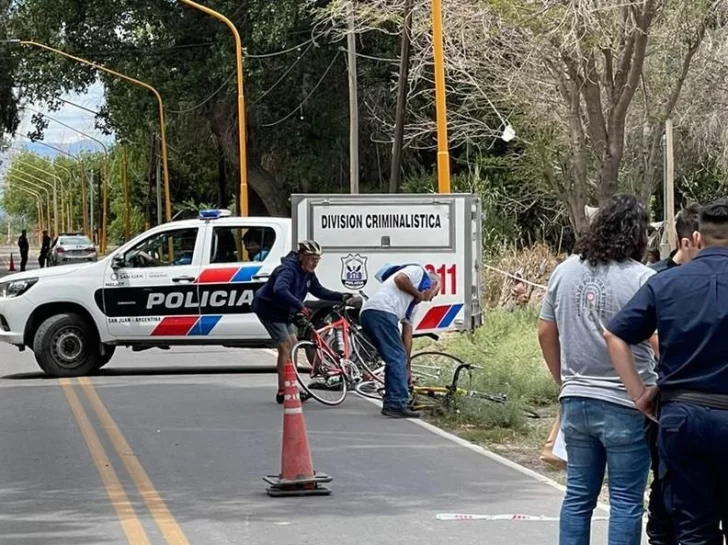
(65, 346)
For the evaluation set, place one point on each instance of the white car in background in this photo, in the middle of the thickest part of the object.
(70, 249)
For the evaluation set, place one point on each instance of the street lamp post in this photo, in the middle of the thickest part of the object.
(42, 188)
(162, 122)
(241, 101)
(105, 177)
(54, 185)
(443, 156)
(125, 187)
(39, 205)
(82, 172)
(124, 176)
(69, 200)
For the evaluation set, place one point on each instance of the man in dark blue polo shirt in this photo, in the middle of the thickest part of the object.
(660, 529)
(688, 306)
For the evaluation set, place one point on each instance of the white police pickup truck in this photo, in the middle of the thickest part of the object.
(192, 281)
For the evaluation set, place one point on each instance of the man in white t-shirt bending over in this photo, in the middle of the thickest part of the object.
(403, 288)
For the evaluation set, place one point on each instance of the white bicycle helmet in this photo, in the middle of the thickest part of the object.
(309, 247)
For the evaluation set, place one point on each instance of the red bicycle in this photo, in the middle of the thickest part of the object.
(338, 356)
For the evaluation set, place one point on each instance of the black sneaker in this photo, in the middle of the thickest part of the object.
(280, 396)
(396, 412)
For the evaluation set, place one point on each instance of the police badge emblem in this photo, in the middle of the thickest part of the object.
(354, 271)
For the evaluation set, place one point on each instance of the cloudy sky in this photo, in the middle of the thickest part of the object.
(70, 115)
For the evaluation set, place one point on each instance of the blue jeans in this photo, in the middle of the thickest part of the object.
(600, 435)
(382, 328)
(693, 447)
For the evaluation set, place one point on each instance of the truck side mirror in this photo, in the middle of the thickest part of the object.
(118, 262)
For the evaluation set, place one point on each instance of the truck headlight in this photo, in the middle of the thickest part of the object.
(15, 288)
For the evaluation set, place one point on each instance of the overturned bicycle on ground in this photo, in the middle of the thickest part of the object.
(191, 282)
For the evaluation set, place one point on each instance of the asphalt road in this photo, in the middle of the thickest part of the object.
(170, 447)
(6, 251)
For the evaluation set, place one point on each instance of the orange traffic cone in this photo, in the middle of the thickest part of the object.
(297, 477)
(11, 268)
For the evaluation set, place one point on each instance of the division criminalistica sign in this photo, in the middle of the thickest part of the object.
(424, 226)
(381, 221)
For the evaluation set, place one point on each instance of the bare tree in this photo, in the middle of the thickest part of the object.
(579, 79)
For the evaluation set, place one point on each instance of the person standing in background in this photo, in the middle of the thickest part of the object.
(601, 426)
(686, 224)
(24, 248)
(45, 247)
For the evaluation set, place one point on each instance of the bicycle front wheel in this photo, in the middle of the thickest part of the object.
(430, 365)
(326, 382)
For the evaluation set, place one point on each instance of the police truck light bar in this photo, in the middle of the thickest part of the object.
(214, 214)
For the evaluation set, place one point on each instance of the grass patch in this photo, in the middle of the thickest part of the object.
(506, 348)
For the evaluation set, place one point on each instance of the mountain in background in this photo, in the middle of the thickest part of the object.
(73, 148)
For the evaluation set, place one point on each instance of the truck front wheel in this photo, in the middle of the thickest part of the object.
(65, 346)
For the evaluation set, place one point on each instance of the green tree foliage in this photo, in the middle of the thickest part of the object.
(8, 101)
(295, 88)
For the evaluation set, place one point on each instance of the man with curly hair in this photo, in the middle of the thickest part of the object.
(602, 427)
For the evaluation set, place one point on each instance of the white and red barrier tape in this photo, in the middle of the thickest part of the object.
(540, 518)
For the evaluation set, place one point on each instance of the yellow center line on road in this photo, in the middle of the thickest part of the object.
(167, 524)
(130, 523)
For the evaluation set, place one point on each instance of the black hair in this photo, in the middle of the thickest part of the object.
(714, 222)
(687, 222)
(253, 236)
(655, 254)
(618, 232)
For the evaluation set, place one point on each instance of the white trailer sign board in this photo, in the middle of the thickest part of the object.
(361, 233)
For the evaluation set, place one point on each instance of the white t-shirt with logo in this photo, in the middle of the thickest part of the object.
(393, 300)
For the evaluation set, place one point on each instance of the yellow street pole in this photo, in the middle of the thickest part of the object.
(48, 194)
(83, 179)
(104, 175)
(241, 102)
(69, 200)
(84, 212)
(53, 185)
(443, 156)
(162, 122)
(127, 203)
(47, 187)
(39, 204)
(125, 186)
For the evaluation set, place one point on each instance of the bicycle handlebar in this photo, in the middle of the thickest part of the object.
(459, 369)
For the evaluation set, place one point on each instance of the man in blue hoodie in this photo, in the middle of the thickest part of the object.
(279, 302)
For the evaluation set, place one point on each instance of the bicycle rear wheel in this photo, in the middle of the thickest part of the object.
(371, 389)
(326, 382)
(366, 356)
